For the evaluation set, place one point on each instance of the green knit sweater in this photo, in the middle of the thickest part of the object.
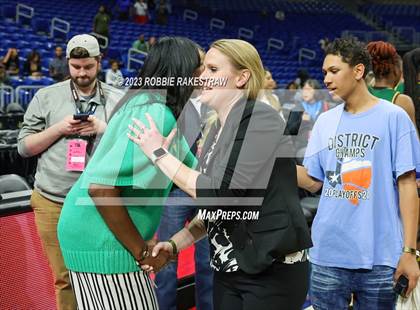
(86, 242)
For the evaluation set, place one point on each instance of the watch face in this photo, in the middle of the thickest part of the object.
(159, 152)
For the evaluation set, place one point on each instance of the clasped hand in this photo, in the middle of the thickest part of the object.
(161, 255)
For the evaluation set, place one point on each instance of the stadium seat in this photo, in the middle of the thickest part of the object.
(12, 183)
(41, 25)
(9, 11)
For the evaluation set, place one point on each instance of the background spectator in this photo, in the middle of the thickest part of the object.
(267, 95)
(140, 44)
(114, 76)
(162, 13)
(150, 43)
(58, 67)
(312, 103)
(141, 16)
(11, 61)
(32, 65)
(4, 77)
(101, 24)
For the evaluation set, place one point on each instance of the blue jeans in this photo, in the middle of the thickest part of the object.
(331, 288)
(173, 220)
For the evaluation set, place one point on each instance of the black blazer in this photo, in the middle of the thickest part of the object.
(250, 169)
(190, 123)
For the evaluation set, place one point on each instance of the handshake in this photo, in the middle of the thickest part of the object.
(157, 256)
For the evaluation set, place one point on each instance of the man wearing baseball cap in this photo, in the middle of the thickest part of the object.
(61, 126)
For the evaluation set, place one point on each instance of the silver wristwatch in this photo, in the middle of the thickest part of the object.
(158, 154)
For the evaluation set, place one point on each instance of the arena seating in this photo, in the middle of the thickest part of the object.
(300, 24)
(400, 18)
(305, 23)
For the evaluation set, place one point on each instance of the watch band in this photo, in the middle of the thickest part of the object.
(409, 250)
(158, 154)
(174, 247)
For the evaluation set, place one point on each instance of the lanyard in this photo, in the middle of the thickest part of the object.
(92, 106)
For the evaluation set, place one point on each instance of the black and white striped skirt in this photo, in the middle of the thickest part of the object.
(132, 290)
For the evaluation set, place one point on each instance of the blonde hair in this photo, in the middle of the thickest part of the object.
(243, 55)
(272, 100)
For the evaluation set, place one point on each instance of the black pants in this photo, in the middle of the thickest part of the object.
(279, 287)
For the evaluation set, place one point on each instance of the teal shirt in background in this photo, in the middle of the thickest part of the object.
(86, 242)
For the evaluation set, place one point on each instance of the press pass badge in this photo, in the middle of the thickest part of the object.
(76, 155)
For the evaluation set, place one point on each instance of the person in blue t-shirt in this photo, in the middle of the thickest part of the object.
(364, 154)
(311, 104)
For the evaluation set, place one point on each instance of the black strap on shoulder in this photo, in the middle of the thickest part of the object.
(237, 145)
(92, 107)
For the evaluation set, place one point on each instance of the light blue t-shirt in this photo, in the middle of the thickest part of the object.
(313, 109)
(359, 158)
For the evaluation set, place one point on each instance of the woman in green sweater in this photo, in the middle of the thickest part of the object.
(114, 209)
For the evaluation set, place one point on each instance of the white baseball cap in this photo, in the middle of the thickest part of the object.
(88, 42)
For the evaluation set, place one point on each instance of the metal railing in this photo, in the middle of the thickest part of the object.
(401, 37)
(217, 23)
(7, 96)
(359, 34)
(103, 43)
(24, 11)
(59, 25)
(132, 52)
(406, 33)
(190, 15)
(273, 43)
(306, 53)
(25, 93)
(245, 33)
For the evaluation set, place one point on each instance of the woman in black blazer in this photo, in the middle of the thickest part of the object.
(245, 188)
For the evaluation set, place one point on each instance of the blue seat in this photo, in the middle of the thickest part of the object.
(24, 97)
(45, 71)
(9, 11)
(45, 53)
(128, 73)
(45, 62)
(41, 25)
(16, 81)
(46, 80)
(32, 81)
(114, 53)
(7, 97)
(105, 63)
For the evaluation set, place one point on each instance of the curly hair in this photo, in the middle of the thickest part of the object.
(352, 52)
(384, 58)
